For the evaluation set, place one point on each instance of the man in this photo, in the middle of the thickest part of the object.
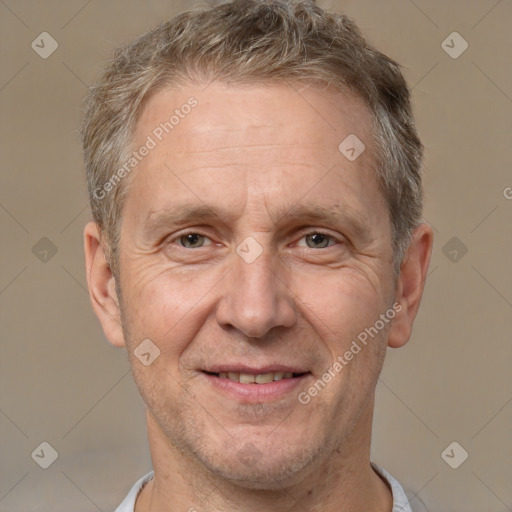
(255, 180)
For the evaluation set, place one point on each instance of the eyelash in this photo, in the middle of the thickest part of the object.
(311, 232)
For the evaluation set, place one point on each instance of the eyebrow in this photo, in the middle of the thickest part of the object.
(337, 216)
(177, 215)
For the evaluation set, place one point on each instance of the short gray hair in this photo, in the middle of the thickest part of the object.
(244, 41)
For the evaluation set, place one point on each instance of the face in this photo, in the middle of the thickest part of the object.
(252, 249)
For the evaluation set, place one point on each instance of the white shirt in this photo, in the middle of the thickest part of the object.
(400, 501)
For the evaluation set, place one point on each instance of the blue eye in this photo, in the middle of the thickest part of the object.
(314, 240)
(193, 240)
(318, 240)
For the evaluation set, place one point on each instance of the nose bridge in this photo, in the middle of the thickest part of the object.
(255, 299)
(257, 279)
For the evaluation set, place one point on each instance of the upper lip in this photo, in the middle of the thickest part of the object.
(253, 370)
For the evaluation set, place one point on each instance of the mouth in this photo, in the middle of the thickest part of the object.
(255, 385)
(256, 378)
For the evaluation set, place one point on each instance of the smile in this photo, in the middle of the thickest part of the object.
(252, 385)
(261, 378)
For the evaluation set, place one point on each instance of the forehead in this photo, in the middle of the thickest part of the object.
(246, 144)
(303, 114)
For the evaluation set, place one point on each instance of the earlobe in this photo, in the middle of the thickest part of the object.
(101, 284)
(411, 284)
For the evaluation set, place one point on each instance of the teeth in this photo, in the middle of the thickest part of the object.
(234, 376)
(262, 378)
(246, 378)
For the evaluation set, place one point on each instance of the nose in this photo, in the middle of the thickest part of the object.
(255, 298)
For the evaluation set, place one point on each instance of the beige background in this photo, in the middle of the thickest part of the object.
(62, 383)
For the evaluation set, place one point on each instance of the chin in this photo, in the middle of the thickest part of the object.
(253, 468)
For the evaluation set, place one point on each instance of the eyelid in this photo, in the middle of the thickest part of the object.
(175, 237)
(312, 231)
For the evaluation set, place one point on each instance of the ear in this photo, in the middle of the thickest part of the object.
(101, 283)
(411, 283)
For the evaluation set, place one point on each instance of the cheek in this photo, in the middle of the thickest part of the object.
(341, 304)
(159, 306)
(168, 305)
(167, 310)
(342, 311)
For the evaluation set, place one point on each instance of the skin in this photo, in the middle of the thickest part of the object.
(255, 153)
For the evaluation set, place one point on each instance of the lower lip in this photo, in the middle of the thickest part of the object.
(256, 392)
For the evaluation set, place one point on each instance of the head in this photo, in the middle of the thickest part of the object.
(233, 229)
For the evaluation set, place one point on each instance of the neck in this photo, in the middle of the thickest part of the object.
(343, 480)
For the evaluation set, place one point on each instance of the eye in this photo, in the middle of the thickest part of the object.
(193, 240)
(317, 240)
